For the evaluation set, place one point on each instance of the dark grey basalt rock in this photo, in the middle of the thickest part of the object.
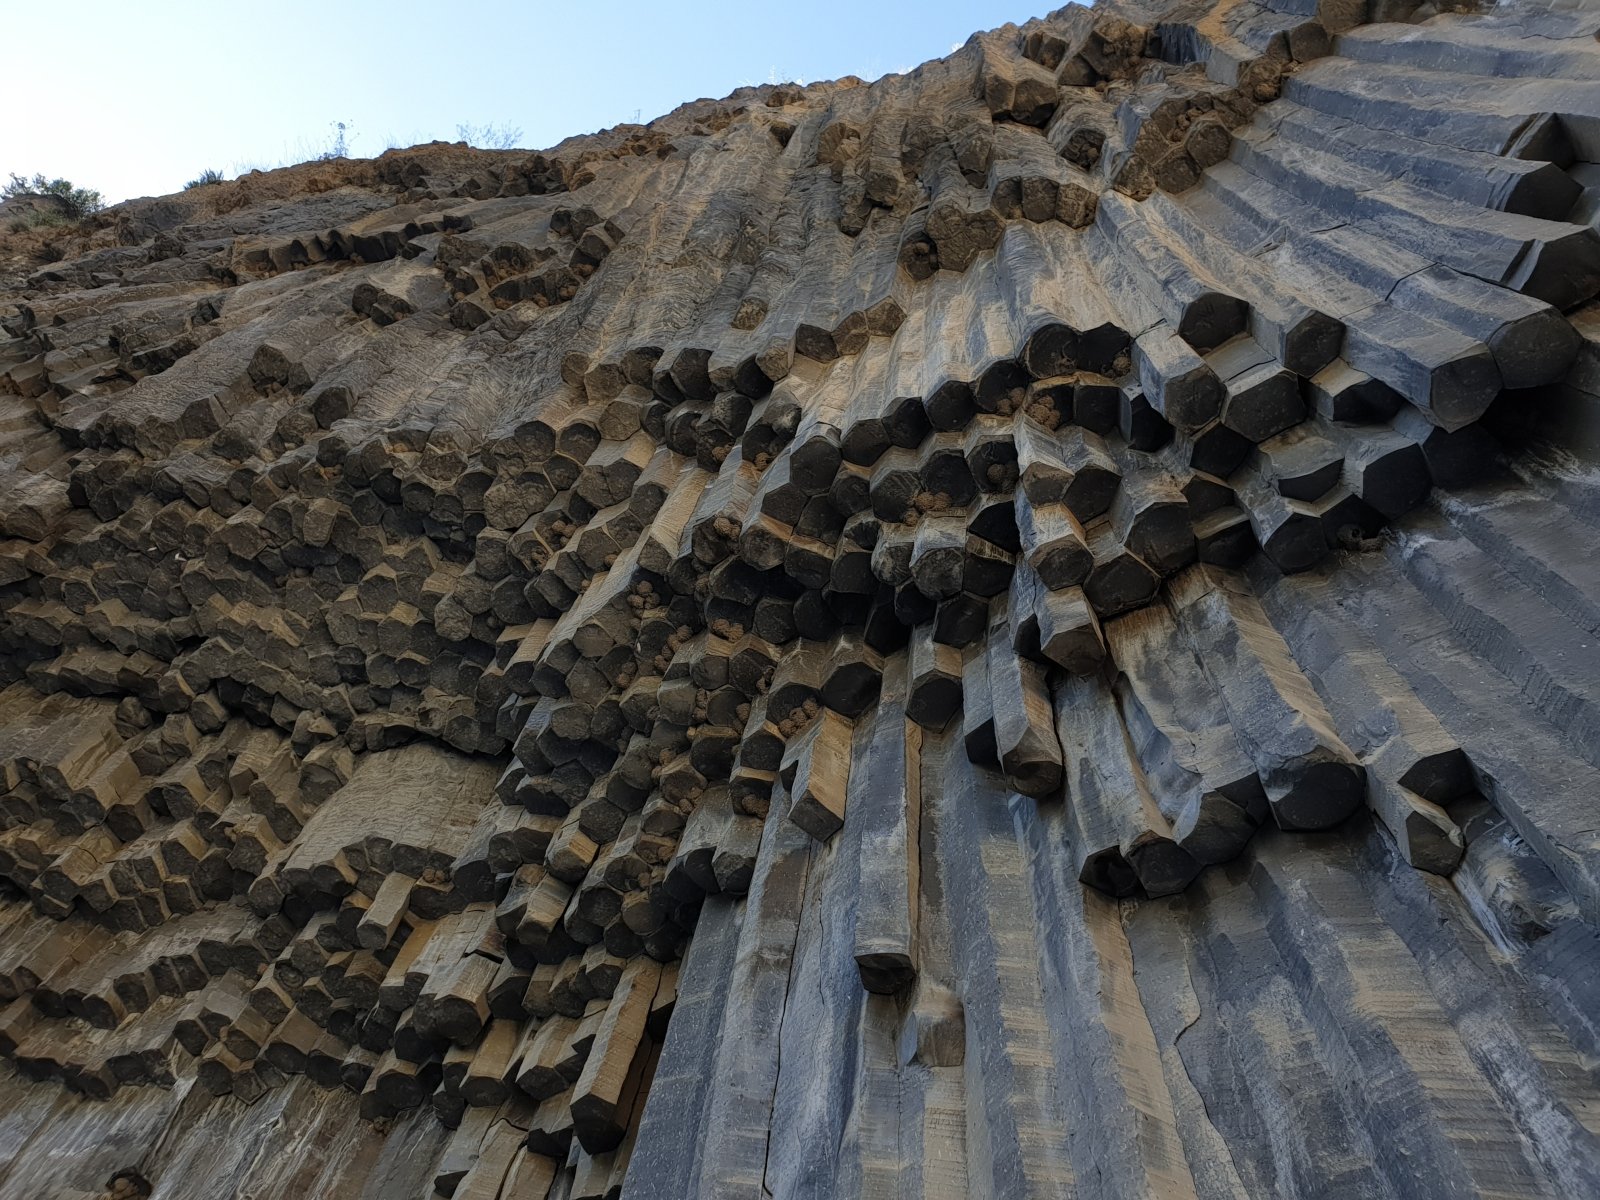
(1027, 628)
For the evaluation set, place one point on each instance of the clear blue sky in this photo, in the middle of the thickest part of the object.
(135, 98)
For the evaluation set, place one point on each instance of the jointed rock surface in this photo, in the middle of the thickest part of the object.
(1028, 628)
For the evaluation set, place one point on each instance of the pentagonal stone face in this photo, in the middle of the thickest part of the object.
(905, 421)
(1093, 488)
(1095, 405)
(1044, 476)
(935, 680)
(961, 620)
(809, 562)
(1177, 383)
(1151, 517)
(1292, 538)
(1052, 350)
(1347, 519)
(946, 476)
(953, 511)
(1002, 388)
(895, 485)
(1390, 474)
(850, 493)
(950, 405)
(1262, 402)
(1143, 426)
(1095, 474)
(1219, 450)
(991, 453)
(1205, 493)
(986, 569)
(819, 519)
(1063, 560)
(1301, 464)
(1120, 582)
(1224, 538)
(938, 557)
(1053, 543)
(780, 497)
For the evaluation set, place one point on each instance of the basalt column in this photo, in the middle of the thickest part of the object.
(1029, 628)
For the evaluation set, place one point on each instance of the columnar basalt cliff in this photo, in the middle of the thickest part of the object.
(1031, 628)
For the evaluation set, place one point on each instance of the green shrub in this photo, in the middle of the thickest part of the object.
(43, 219)
(206, 178)
(81, 202)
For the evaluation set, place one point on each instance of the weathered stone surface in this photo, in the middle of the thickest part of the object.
(1002, 631)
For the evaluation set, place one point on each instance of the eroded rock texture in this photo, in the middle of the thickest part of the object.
(1028, 629)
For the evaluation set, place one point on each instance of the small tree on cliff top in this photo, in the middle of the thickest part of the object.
(80, 201)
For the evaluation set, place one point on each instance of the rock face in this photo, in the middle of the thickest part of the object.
(1031, 628)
